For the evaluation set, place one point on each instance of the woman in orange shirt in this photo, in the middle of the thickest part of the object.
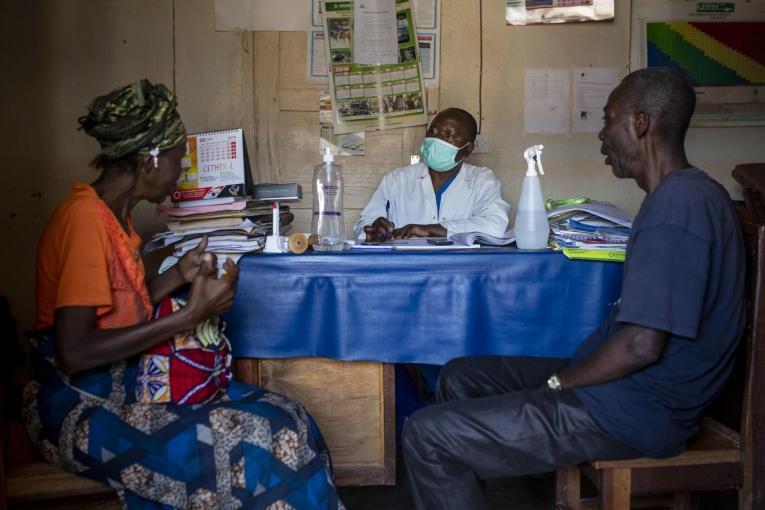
(247, 449)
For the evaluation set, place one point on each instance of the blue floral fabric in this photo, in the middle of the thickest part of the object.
(249, 449)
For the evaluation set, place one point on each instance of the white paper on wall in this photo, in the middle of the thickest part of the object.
(546, 101)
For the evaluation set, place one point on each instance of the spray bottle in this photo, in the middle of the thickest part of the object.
(531, 227)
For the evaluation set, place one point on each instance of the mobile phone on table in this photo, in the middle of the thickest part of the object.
(439, 241)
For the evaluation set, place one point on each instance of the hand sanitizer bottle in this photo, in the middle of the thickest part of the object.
(531, 227)
(328, 224)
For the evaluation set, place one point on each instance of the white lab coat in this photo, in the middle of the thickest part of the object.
(472, 202)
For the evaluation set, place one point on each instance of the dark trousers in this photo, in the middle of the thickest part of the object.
(496, 418)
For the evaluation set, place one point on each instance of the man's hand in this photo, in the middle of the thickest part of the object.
(197, 261)
(408, 231)
(380, 230)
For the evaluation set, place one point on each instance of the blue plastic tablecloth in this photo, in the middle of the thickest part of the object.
(423, 307)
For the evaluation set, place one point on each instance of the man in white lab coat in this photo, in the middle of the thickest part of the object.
(440, 197)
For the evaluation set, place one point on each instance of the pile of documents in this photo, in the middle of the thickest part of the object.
(580, 228)
(591, 230)
(233, 228)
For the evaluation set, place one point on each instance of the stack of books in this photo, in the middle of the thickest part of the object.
(591, 230)
(238, 227)
(210, 200)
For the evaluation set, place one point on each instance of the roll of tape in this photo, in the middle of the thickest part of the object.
(297, 243)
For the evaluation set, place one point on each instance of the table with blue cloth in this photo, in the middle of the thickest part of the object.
(415, 306)
(424, 307)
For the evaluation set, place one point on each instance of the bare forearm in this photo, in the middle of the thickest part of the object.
(164, 284)
(100, 347)
(623, 353)
(436, 230)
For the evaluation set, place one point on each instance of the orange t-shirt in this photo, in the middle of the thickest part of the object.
(86, 258)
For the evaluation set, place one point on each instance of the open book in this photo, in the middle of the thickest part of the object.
(469, 238)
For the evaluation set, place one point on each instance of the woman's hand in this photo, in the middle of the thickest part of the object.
(210, 296)
(192, 261)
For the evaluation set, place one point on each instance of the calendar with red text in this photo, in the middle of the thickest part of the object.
(213, 167)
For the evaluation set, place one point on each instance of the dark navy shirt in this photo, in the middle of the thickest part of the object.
(441, 191)
(684, 274)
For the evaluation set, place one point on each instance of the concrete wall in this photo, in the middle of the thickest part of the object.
(59, 55)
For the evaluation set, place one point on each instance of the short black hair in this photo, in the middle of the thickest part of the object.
(666, 95)
(466, 118)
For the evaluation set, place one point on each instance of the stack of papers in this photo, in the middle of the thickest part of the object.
(232, 229)
(591, 231)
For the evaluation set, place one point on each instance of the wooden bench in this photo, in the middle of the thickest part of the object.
(24, 476)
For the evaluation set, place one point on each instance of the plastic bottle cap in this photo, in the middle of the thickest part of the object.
(328, 157)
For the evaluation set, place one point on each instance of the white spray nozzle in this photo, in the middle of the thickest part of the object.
(328, 157)
(533, 156)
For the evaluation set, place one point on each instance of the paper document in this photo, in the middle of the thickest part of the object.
(317, 69)
(375, 32)
(592, 85)
(546, 101)
(428, 45)
(268, 15)
(426, 13)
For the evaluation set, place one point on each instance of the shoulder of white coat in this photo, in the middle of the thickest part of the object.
(406, 173)
(478, 172)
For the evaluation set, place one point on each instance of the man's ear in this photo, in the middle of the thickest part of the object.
(469, 148)
(641, 124)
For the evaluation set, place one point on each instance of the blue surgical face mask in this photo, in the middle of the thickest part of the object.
(439, 155)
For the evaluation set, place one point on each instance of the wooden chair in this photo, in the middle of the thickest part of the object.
(751, 176)
(24, 477)
(719, 457)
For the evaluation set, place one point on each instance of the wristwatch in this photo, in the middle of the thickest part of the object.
(554, 382)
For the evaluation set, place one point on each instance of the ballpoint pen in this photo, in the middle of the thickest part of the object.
(387, 210)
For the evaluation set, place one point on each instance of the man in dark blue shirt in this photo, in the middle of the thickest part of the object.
(638, 385)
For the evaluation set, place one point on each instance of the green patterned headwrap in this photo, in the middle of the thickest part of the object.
(135, 118)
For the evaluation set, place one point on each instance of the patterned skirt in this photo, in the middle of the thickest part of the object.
(249, 449)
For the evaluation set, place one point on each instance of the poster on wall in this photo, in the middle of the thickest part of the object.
(316, 12)
(263, 15)
(349, 144)
(535, 12)
(316, 71)
(370, 97)
(426, 14)
(427, 42)
(717, 45)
